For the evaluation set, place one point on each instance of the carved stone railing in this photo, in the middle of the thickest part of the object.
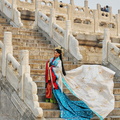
(111, 51)
(11, 12)
(83, 19)
(63, 37)
(24, 4)
(18, 74)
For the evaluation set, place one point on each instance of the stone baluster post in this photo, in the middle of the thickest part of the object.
(86, 8)
(105, 46)
(118, 18)
(56, 5)
(7, 48)
(33, 2)
(67, 33)
(86, 3)
(99, 10)
(72, 13)
(52, 20)
(14, 5)
(96, 21)
(98, 7)
(69, 12)
(72, 2)
(36, 14)
(118, 11)
(110, 13)
(118, 22)
(3, 3)
(24, 68)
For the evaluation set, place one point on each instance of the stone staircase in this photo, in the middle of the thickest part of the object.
(40, 50)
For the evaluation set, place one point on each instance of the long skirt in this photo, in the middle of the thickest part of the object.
(72, 110)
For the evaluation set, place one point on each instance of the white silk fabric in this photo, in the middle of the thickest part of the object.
(93, 84)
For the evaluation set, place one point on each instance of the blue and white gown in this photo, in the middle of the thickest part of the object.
(92, 84)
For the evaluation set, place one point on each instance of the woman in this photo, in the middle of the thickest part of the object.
(92, 84)
(54, 63)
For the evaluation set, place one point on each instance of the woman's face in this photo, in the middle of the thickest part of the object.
(56, 54)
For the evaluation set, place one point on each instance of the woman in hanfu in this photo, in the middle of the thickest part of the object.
(92, 84)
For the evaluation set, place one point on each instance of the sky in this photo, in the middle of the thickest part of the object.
(115, 4)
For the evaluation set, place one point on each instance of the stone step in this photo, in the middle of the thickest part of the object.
(117, 97)
(56, 113)
(39, 83)
(116, 79)
(108, 118)
(117, 104)
(40, 69)
(95, 118)
(115, 112)
(27, 44)
(37, 71)
(41, 97)
(42, 66)
(42, 83)
(44, 61)
(117, 84)
(49, 106)
(114, 117)
(51, 113)
(3, 20)
(39, 48)
(54, 119)
(116, 91)
(19, 31)
(34, 52)
(39, 42)
(41, 90)
(71, 97)
(25, 32)
(42, 78)
(40, 57)
(38, 77)
(5, 25)
(27, 37)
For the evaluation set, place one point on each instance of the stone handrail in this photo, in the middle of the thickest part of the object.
(113, 55)
(43, 22)
(61, 36)
(11, 60)
(10, 10)
(24, 4)
(83, 19)
(18, 75)
(111, 51)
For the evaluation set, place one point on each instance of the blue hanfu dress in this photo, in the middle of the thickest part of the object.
(91, 84)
